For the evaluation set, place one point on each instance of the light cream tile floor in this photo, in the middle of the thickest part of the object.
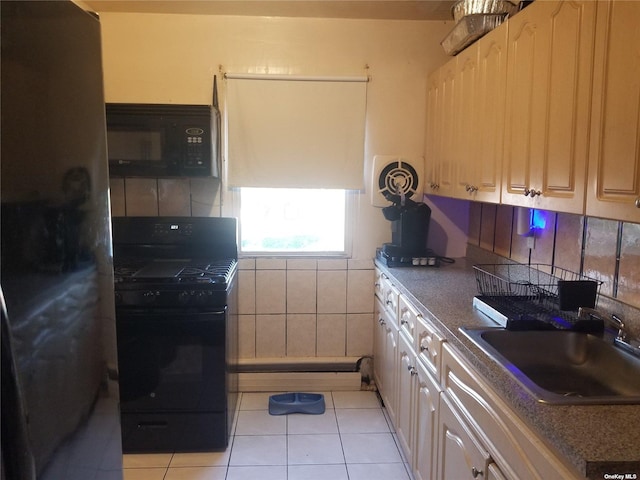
(352, 440)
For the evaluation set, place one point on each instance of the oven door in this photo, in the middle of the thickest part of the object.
(171, 361)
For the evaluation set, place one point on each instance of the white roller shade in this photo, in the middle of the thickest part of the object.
(296, 132)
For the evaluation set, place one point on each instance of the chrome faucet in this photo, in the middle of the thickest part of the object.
(611, 319)
(622, 339)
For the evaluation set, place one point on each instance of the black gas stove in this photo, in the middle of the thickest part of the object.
(176, 318)
(174, 282)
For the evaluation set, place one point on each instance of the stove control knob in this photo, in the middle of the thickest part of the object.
(202, 297)
(149, 296)
(184, 297)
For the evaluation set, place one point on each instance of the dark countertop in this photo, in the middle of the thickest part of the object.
(595, 439)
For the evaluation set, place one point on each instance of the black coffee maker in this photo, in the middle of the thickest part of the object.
(409, 230)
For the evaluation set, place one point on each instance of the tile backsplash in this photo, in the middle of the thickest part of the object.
(305, 308)
(608, 250)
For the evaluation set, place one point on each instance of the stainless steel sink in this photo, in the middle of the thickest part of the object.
(563, 367)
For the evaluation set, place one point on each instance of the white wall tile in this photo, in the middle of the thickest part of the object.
(301, 335)
(270, 336)
(359, 334)
(204, 199)
(331, 335)
(271, 264)
(141, 195)
(302, 264)
(332, 291)
(360, 291)
(270, 291)
(247, 336)
(246, 291)
(332, 264)
(361, 264)
(174, 197)
(301, 291)
(246, 264)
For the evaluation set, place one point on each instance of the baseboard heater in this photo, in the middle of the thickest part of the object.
(299, 374)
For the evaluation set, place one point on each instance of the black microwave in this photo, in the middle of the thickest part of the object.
(158, 140)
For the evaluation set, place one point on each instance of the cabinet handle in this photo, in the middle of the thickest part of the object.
(389, 302)
(638, 202)
(475, 473)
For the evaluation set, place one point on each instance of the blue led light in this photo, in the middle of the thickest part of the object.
(538, 219)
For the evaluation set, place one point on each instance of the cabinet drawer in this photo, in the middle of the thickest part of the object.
(514, 446)
(390, 297)
(408, 319)
(377, 285)
(428, 345)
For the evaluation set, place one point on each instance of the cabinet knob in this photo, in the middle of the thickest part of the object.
(381, 321)
(412, 370)
(535, 193)
(475, 473)
(404, 322)
(424, 348)
(526, 192)
(638, 202)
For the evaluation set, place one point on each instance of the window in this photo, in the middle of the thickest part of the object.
(293, 221)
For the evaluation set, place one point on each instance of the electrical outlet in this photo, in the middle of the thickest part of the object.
(531, 242)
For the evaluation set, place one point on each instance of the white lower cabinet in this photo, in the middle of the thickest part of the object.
(426, 424)
(385, 355)
(407, 382)
(460, 455)
(515, 449)
(449, 422)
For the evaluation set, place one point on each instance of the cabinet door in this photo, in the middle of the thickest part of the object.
(405, 415)
(460, 455)
(379, 333)
(389, 359)
(486, 163)
(447, 160)
(549, 64)
(614, 158)
(465, 126)
(432, 146)
(426, 424)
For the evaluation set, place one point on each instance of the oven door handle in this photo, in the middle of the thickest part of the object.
(200, 315)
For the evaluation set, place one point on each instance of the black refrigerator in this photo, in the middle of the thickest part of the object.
(60, 418)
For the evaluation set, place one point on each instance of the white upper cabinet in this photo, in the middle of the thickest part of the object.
(614, 159)
(480, 166)
(549, 65)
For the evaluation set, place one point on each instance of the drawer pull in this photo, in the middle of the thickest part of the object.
(475, 473)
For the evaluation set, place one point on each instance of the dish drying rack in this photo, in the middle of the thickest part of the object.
(536, 296)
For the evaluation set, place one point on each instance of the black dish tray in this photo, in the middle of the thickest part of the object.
(524, 313)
